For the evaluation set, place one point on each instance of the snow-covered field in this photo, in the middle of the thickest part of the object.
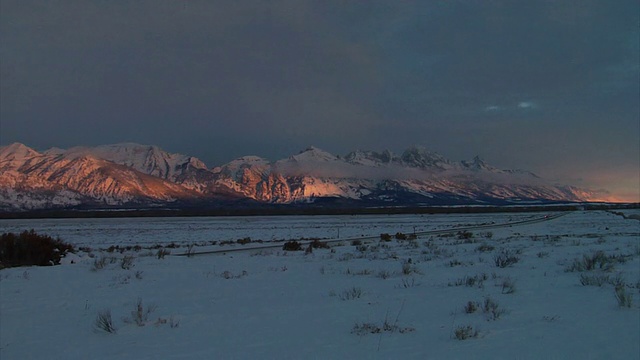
(401, 299)
(202, 230)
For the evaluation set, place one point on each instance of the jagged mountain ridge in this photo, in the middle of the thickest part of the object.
(130, 174)
(148, 159)
(29, 179)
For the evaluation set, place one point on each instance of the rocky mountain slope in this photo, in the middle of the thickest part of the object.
(140, 175)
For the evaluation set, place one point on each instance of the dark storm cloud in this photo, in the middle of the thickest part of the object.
(544, 85)
(153, 71)
(514, 48)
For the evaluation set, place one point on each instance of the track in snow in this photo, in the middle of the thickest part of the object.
(428, 232)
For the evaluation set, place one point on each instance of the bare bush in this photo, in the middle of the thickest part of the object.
(594, 280)
(173, 322)
(400, 236)
(244, 241)
(229, 275)
(104, 322)
(508, 286)
(317, 244)
(464, 235)
(492, 309)
(292, 245)
(465, 332)
(358, 272)
(29, 248)
(485, 248)
(408, 268)
(351, 294)
(471, 281)
(384, 274)
(99, 264)
(597, 261)
(409, 283)
(140, 315)
(471, 307)
(455, 262)
(162, 253)
(542, 254)
(624, 298)
(505, 258)
(362, 329)
(127, 262)
(190, 251)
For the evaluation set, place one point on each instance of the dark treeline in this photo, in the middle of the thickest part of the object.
(302, 210)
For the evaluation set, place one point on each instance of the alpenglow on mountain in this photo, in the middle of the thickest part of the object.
(135, 176)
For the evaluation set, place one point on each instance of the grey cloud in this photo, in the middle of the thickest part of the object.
(222, 79)
(525, 105)
(147, 67)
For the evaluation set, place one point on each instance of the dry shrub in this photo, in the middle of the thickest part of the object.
(317, 244)
(104, 322)
(29, 248)
(465, 332)
(292, 245)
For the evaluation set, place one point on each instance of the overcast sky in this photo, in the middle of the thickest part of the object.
(548, 86)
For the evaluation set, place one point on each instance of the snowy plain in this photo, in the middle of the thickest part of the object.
(330, 303)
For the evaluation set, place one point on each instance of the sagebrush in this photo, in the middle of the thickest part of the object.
(465, 332)
(104, 322)
(29, 248)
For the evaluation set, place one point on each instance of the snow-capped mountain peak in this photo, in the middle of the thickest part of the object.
(477, 163)
(16, 151)
(420, 157)
(129, 173)
(313, 154)
(16, 155)
(148, 159)
(239, 167)
(370, 158)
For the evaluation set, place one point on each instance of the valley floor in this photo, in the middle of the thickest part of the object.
(555, 289)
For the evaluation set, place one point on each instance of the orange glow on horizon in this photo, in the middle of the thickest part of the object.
(610, 184)
(616, 199)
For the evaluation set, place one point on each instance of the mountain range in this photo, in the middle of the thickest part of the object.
(135, 176)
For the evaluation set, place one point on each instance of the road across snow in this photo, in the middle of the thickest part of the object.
(450, 230)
